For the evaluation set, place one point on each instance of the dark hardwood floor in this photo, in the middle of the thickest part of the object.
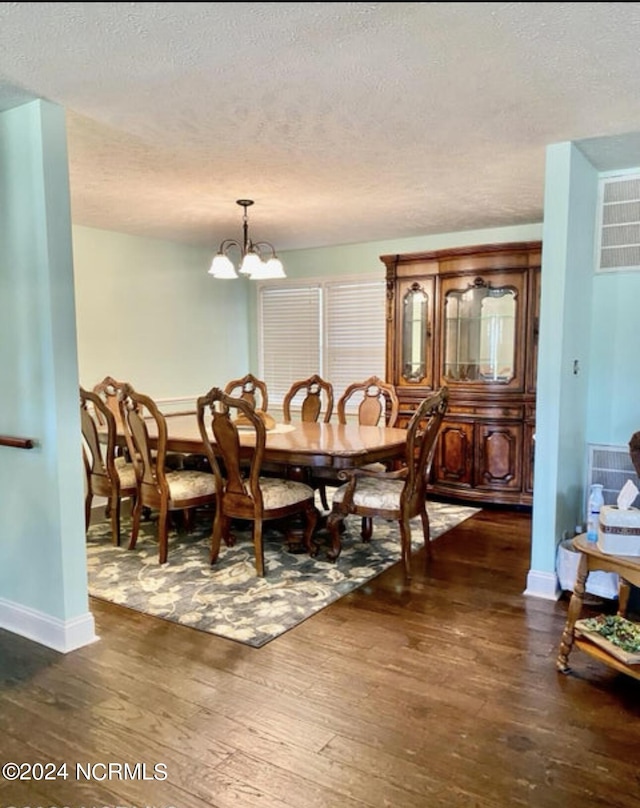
(442, 693)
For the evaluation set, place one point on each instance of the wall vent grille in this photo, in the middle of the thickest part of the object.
(611, 466)
(618, 227)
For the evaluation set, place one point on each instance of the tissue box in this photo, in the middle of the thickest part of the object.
(619, 531)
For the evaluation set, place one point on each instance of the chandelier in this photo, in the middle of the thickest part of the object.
(258, 260)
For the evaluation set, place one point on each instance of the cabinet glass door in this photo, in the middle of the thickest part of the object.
(480, 333)
(415, 333)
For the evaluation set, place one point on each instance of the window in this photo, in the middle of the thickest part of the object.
(334, 328)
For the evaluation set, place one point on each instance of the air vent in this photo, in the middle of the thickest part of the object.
(611, 466)
(618, 227)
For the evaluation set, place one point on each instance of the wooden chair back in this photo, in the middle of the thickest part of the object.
(102, 476)
(238, 483)
(250, 389)
(99, 457)
(110, 391)
(149, 464)
(378, 402)
(317, 399)
(422, 433)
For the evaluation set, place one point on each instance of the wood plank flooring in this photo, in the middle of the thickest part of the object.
(441, 693)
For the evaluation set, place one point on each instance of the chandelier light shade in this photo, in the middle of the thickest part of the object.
(258, 260)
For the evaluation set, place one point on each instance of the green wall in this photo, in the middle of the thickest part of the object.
(148, 313)
(614, 389)
(43, 591)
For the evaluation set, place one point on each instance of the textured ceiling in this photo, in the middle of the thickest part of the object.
(346, 122)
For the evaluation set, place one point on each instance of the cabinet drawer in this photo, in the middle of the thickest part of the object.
(493, 411)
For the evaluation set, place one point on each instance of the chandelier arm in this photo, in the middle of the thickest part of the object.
(229, 242)
(257, 246)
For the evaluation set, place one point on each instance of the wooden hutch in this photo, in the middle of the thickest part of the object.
(468, 318)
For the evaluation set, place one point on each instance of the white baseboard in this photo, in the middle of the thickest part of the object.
(543, 585)
(61, 635)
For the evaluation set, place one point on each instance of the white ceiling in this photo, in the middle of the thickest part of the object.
(346, 122)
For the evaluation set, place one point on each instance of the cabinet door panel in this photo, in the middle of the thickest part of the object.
(455, 453)
(414, 348)
(499, 460)
(483, 321)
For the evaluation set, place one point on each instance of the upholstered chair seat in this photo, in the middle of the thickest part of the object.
(371, 492)
(126, 472)
(186, 485)
(281, 493)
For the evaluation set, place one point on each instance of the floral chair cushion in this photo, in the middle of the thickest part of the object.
(373, 493)
(190, 484)
(126, 473)
(279, 493)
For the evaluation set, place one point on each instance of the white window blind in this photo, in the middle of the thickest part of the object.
(334, 328)
(290, 336)
(355, 332)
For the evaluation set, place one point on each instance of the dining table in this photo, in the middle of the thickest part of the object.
(299, 445)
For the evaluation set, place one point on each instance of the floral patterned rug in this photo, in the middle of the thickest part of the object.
(229, 600)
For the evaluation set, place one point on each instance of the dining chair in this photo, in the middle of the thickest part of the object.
(313, 401)
(158, 487)
(242, 491)
(312, 398)
(377, 402)
(398, 495)
(107, 475)
(250, 389)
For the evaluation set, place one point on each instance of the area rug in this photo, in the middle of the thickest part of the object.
(229, 600)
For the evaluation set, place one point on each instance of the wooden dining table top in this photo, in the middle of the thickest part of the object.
(300, 443)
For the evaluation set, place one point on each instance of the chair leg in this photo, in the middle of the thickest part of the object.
(188, 519)
(405, 544)
(426, 532)
(311, 520)
(334, 526)
(227, 536)
(115, 519)
(87, 510)
(258, 547)
(216, 535)
(163, 534)
(367, 528)
(135, 522)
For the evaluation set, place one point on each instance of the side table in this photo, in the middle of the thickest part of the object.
(591, 558)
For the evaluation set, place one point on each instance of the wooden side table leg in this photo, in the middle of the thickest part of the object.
(624, 591)
(575, 607)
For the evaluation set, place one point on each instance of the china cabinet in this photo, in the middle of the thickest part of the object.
(468, 318)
